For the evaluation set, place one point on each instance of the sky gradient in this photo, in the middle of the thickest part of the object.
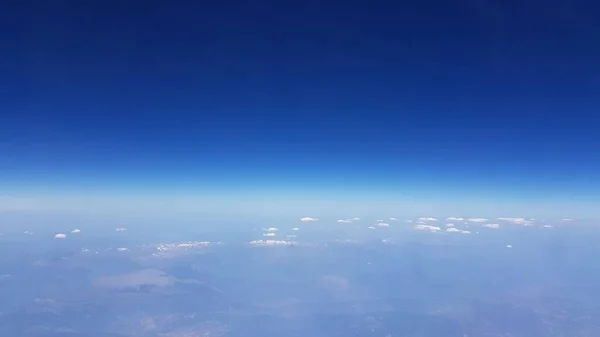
(325, 106)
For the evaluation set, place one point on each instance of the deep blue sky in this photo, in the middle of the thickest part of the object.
(438, 100)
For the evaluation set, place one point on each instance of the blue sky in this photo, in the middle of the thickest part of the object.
(388, 106)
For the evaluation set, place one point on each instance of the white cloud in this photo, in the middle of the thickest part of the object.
(271, 229)
(567, 219)
(60, 236)
(269, 234)
(409, 221)
(509, 246)
(122, 249)
(383, 224)
(271, 243)
(295, 229)
(477, 220)
(428, 228)
(455, 219)
(393, 219)
(456, 230)
(371, 227)
(345, 221)
(547, 226)
(517, 221)
(307, 219)
(492, 225)
(28, 232)
(449, 225)
(121, 229)
(427, 219)
(76, 230)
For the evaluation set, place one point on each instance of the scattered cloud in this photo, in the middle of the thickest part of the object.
(308, 219)
(271, 243)
(428, 228)
(76, 230)
(344, 221)
(121, 229)
(295, 229)
(28, 233)
(60, 236)
(409, 221)
(477, 220)
(456, 230)
(449, 225)
(492, 225)
(517, 221)
(393, 219)
(122, 249)
(509, 246)
(455, 219)
(547, 226)
(427, 219)
(383, 224)
(270, 234)
(371, 227)
(568, 219)
(271, 229)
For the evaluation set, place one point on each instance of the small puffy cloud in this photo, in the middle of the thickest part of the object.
(271, 243)
(492, 225)
(76, 230)
(517, 221)
(122, 249)
(60, 236)
(383, 224)
(449, 225)
(120, 229)
(409, 221)
(456, 230)
(547, 226)
(271, 229)
(371, 227)
(567, 219)
(452, 218)
(345, 221)
(28, 233)
(308, 219)
(477, 220)
(509, 246)
(427, 219)
(428, 228)
(295, 229)
(393, 219)
(270, 234)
